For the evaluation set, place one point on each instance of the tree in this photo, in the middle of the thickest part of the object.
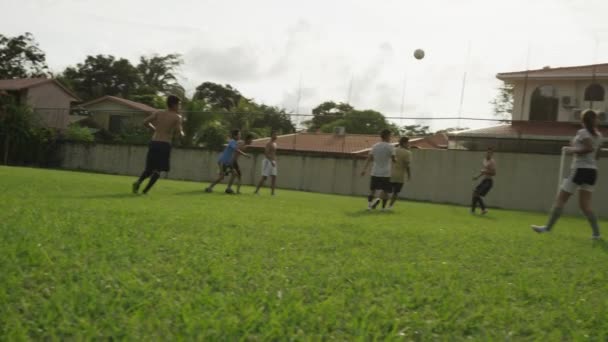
(102, 75)
(17, 123)
(272, 118)
(20, 57)
(415, 130)
(327, 112)
(503, 102)
(158, 75)
(196, 119)
(218, 96)
(451, 129)
(361, 122)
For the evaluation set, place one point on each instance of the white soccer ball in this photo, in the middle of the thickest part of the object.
(419, 54)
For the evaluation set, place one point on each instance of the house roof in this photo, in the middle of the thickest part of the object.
(600, 71)
(527, 130)
(26, 83)
(342, 144)
(131, 104)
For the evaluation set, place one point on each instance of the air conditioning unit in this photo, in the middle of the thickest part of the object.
(569, 102)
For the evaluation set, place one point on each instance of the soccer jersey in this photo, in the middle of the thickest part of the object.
(228, 154)
(383, 153)
(586, 161)
(403, 157)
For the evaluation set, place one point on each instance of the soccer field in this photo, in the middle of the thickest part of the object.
(83, 258)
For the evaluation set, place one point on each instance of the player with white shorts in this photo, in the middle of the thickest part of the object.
(269, 165)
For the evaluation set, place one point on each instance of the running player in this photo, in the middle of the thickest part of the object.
(164, 124)
(236, 169)
(401, 166)
(381, 155)
(586, 150)
(269, 165)
(488, 172)
(226, 161)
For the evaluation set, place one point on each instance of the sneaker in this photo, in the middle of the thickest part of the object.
(373, 203)
(596, 237)
(229, 191)
(540, 229)
(135, 187)
(483, 212)
(256, 193)
(208, 190)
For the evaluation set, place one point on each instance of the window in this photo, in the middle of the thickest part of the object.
(117, 123)
(594, 92)
(544, 104)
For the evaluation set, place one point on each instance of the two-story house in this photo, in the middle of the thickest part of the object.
(547, 106)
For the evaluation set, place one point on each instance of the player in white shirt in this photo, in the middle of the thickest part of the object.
(586, 149)
(488, 172)
(381, 155)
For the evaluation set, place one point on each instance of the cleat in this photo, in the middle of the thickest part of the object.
(540, 229)
(135, 188)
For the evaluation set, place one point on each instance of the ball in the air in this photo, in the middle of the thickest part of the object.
(419, 54)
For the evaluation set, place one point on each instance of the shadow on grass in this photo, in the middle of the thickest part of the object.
(485, 217)
(110, 196)
(601, 244)
(193, 192)
(364, 212)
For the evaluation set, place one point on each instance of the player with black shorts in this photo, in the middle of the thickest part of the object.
(381, 155)
(164, 125)
(488, 172)
(236, 169)
(586, 150)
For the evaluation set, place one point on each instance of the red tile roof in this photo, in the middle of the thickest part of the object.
(527, 130)
(574, 72)
(131, 104)
(26, 83)
(342, 144)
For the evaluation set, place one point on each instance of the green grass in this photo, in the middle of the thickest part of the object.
(82, 258)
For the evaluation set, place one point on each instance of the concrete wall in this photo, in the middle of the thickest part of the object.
(524, 181)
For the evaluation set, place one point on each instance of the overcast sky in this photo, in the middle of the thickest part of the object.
(356, 50)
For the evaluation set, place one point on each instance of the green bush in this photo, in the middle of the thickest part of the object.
(79, 134)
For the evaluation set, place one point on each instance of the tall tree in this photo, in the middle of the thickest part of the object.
(102, 75)
(273, 118)
(327, 112)
(415, 130)
(503, 102)
(158, 75)
(218, 96)
(20, 57)
(360, 122)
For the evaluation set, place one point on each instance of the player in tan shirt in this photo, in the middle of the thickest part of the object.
(401, 167)
(164, 124)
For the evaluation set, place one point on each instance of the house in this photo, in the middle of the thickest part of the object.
(547, 107)
(50, 99)
(116, 114)
(340, 144)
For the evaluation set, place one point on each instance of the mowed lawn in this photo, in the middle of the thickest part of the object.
(82, 258)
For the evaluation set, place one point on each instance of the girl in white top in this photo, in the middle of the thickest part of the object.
(585, 147)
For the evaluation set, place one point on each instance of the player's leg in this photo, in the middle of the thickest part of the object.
(396, 187)
(587, 209)
(556, 212)
(260, 184)
(474, 201)
(137, 184)
(273, 184)
(148, 169)
(153, 178)
(220, 177)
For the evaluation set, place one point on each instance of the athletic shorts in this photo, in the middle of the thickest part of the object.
(229, 169)
(268, 169)
(159, 155)
(380, 183)
(396, 187)
(583, 179)
(484, 187)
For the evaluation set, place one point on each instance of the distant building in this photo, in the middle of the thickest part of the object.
(547, 110)
(115, 114)
(48, 98)
(341, 144)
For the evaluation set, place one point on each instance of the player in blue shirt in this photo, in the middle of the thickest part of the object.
(226, 162)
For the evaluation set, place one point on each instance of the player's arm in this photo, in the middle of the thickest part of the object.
(369, 160)
(587, 148)
(241, 152)
(180, 126)
(148, 121)
(408, 170)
